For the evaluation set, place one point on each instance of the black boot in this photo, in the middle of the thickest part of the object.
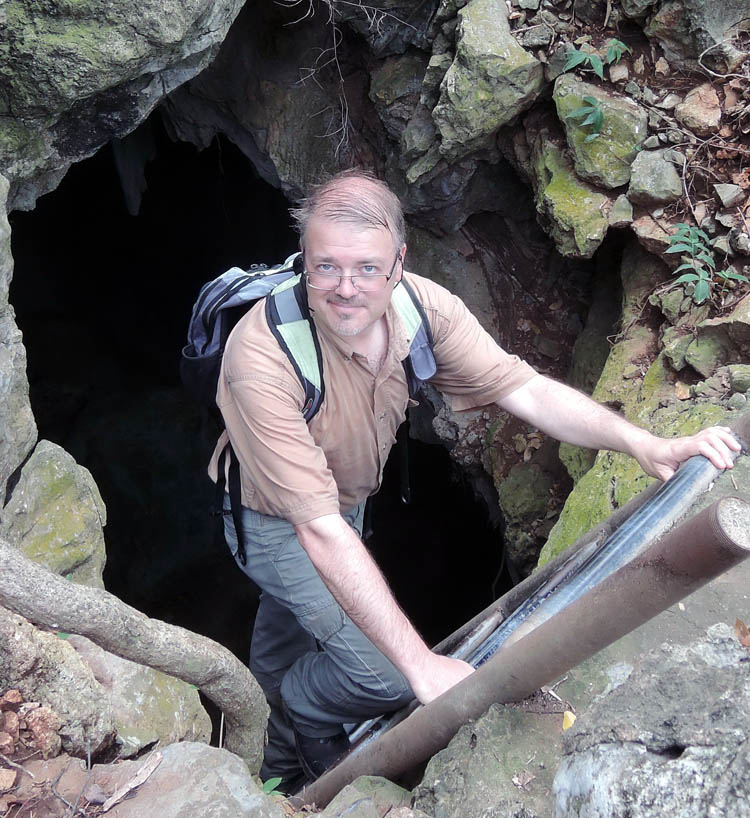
(316, 755)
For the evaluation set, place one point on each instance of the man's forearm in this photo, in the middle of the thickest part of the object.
(573, 417)
(354, 579)
(570, 416)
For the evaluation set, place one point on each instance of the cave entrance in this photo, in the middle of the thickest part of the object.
(103, 299)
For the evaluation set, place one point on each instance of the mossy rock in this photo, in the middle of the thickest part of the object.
(616, 478)
(721, 341)
(573, 211)
(55, 516)
(492, 80)
(605, 160)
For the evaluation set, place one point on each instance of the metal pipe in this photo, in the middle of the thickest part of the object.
(669, 569)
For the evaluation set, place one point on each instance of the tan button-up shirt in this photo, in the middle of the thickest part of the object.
(300, 471)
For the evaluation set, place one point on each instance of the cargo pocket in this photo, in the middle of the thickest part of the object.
(324, 622)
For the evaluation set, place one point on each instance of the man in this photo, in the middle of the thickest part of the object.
(330, 644)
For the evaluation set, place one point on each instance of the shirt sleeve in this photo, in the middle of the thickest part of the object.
(261, 401)
(472, 368)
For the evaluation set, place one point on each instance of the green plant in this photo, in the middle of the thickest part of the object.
(269, 787)
(578, 58)
(591, 115)
(615, 50)
(692, 242)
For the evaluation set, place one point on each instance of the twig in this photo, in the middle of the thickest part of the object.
(62, 797)
(89, 773)
(685, 187)
(711, 47)
(15, 766)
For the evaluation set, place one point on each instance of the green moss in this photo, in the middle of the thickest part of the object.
(574, 210)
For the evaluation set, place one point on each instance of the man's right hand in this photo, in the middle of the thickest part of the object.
(436, 675)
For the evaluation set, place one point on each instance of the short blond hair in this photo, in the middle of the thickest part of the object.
(354, 197)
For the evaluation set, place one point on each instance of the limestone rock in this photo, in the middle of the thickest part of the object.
(76, 76)
(606, 160)
(621, 214)
(572, 211)
(687, 28)
(17, 428)
(147, 705)
(729, 195)
(653, 233)
(491, 81)
(55, 516)
(654, 179)
(190, 780)
(700, 112)
(368, 796)
(665, 742)
(474, 775)
(394, 90)
(720, 341)
(46, 669)
(739, 375)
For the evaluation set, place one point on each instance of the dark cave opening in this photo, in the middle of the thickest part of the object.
(103, 299)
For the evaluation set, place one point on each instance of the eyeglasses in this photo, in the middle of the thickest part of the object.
(363, 282)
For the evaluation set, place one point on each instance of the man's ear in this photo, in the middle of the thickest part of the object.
(402, 254)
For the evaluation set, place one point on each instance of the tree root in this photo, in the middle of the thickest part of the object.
(44, 598)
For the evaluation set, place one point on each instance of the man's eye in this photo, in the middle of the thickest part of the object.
(368, 269)
(324, 268)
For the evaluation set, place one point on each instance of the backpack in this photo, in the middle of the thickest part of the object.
(220, 305)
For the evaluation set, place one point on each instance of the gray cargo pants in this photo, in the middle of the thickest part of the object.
(305, 651)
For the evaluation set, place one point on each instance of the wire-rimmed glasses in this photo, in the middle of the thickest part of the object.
(363, 282)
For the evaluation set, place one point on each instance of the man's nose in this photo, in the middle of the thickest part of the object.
(345, 287)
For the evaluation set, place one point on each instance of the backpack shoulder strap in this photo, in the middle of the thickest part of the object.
(289, 319)
(420, 366)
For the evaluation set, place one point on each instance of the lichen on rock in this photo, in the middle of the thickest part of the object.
(56, 514)
(605, 160)
(492, 80)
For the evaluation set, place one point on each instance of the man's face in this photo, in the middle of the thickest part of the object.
(345, 250)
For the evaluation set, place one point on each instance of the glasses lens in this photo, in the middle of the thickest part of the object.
(320, 281)
(369, 283)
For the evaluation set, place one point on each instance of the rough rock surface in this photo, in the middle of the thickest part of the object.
(189, 779)
(46, 669)
(724, 340)
(571, 209)
(654, 179)
(700, 111)
(56, 514)
(670, 740)
(17, 427)
(492, 80)
(368, 797)
(75, 76)
(500, 764)
(605, 160)
(147, 705)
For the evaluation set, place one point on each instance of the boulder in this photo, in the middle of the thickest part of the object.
(46, 669)
(492, 80)
(56, 514)
(181, 780)
(500, 765)
(570, 209)
(147, 705)
(654, 179)
(368, 796)
(395, 86)
(17, 427)
(667, 741)
(700, 111)
(76, 76)
(719, 341)
(605, 160)
(685, 29)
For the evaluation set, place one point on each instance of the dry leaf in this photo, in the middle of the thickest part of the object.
(569, 719)
(726, 154)
(726, 131)
(742, 633)
(523, 779)
(742, 178)
(142, 775)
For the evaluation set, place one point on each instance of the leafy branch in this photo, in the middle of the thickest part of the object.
(692, 243)
(591, 115)
(593, 62)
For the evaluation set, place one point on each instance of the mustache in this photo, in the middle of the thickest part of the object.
(354, 301)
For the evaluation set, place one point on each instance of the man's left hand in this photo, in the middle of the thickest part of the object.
(660, 457)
